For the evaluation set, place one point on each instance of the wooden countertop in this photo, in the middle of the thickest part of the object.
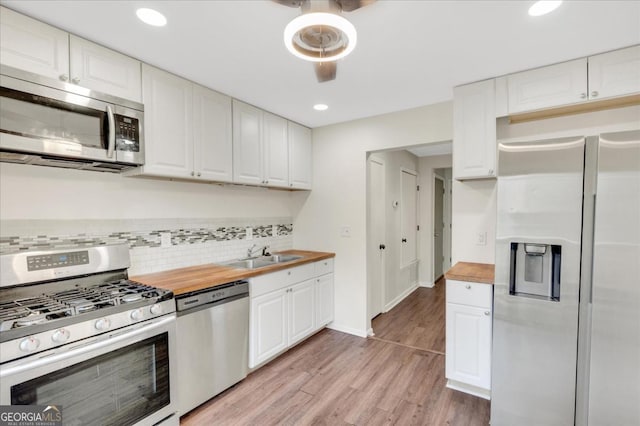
(194, 278)
(473, 272)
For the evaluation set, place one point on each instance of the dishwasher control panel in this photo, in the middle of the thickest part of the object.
(212, 295)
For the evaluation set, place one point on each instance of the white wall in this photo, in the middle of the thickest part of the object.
(34, 192)
(339, 192)
(426, 168)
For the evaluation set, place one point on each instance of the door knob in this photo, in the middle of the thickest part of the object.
(404, 240)
(382, 247)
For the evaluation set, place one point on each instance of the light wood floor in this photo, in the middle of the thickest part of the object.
(338, 379)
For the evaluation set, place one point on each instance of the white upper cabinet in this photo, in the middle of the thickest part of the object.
(39, 48)
(614, 73)
(168, 124)
(269, 150)
(247, 144)
(300, 160)
(275, 150)
(547, 87)
(33, 46)
(474, 130)
(104, 70)
(212, 130)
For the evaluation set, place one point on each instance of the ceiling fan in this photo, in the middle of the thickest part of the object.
(321, 34)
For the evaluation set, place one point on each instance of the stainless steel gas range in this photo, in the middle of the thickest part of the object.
(76, 333)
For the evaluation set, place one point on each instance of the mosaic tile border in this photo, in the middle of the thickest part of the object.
(137, 239)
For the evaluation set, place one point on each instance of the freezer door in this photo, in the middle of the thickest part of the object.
(614, 390)
(535, 336)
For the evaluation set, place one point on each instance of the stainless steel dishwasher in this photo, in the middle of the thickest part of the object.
(213, 342)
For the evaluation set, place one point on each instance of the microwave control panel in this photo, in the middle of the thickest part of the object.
(127, 133)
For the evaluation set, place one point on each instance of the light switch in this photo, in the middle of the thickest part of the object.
(481, 239)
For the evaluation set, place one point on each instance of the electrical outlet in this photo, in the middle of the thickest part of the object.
(345, 231)
(165, 239)
(274, 230)
(481, 239)
(249, 232)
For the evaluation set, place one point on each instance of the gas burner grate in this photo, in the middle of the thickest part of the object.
(35, 307)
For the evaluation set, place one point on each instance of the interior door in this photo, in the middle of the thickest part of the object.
(376, 248)
(438, 227)
(409, 222)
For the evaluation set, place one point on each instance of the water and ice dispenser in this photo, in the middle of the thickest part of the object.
(535, 270)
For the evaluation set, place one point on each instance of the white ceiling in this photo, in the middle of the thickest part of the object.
(409, 53)
(432, 149)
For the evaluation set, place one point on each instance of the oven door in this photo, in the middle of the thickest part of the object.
(120, 378)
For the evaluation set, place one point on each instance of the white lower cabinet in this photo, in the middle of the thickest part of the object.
(287, 306)
(468, 341)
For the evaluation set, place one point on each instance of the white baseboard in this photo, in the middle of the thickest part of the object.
(400, 297)
(470, 389)
(348, 330)
(427, 284)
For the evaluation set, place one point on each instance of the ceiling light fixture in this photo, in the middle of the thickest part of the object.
(151, 17)
(543, 7)
(320, 37)
(321, 107)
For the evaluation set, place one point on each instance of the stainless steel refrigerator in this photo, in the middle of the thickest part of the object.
(566, 325)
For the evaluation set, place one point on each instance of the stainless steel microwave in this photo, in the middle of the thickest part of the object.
(47, 122)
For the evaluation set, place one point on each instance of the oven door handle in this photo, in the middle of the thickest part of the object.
(121, 335)
(112, 132)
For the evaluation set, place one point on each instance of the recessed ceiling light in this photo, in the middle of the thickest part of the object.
(151, 17)
(321, 107)
(320, 37)
(543, 7)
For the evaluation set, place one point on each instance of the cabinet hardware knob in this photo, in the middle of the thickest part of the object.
(583, 95)
(289, 273)
(290, 184)
(199, 174)
(487, 313)
(594, 94)
(64, 77)
(193, 173)
(468, 287)
(75, 80)
(491, 172)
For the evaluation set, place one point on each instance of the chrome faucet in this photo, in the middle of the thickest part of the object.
(251, 251)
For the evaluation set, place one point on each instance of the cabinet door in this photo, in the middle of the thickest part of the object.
(168, 117)
(301, 311)
(33, 46)
(104, 70)
(300, 161)
(276, 150)
(614, 73)
(548, 87)
(212, 141)
(268, 326)
(468, 345)
(324, 300)
(247, 144)
(474, 130)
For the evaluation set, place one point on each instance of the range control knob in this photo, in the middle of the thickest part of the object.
(60, 336)
(102, 324)
(29, 344)
(155, 309)
(136, 314)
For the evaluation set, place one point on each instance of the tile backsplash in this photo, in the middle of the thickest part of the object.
(192, 241)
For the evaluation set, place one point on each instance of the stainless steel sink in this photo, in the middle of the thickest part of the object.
(261, 262)
(280, 258)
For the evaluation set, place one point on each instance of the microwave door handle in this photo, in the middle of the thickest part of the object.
(112, 132)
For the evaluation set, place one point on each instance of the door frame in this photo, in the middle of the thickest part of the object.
(444, 209)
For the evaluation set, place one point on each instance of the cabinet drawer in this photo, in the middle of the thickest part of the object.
(469, 293)
(266, 283)
(324, 267)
